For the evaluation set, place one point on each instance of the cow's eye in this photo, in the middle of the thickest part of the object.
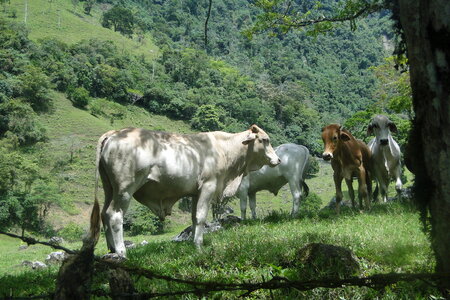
(334, 138)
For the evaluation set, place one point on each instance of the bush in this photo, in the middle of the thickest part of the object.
(310, 205)
(72, 232)
(36, 87)
(207, 118)
(79, 97)
(18, 119)
(313, 167)
(140, 220)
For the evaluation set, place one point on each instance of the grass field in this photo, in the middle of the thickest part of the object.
(67, 23)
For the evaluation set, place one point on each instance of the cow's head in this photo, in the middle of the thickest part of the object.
(382, 127)
(331, 136)
(260, 151)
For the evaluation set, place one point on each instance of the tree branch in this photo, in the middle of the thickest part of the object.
(206, 24)
(32, 241)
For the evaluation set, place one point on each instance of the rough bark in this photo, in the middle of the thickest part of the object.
(426, 25)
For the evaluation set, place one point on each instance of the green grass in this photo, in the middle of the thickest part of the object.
(67, 23)
(387, 239)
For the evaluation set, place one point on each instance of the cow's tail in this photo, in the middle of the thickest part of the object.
(305, 170)
(305, 188)
(95, 215)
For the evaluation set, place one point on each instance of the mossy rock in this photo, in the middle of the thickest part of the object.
(317, 260)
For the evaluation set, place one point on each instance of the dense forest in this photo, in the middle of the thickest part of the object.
(290, 84)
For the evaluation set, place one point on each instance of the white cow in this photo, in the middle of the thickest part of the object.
(292, 169)
(385, 154)
(158, 168)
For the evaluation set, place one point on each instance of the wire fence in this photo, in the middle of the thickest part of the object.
(203, 288)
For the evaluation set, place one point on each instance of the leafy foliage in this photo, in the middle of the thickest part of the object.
(140, 220)
(71, 232)
(120, 18)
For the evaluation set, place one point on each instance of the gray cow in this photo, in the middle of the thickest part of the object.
(292, 169)
(385, 154)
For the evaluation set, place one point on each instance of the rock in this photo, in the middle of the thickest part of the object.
(227, 221)
(56, 240)
(317, 260)
(144, 242)
(23, 247)
(56, 257)
(34, 264)
(113, 257)
(332, 203)
(27, 263)
(406, 194)
(38, 265)
(129, 244)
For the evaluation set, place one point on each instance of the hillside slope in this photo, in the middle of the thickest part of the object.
(67, 23)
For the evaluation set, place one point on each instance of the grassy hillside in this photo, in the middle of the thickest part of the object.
(67, 23)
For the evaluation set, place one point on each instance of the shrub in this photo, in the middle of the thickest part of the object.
(313, 167)
(72, 232)
(207, 118)
(140, 220)
(35, 87)
(79, 97)
(310, 205)
(18, 119)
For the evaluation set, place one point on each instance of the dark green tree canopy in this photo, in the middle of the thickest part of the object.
(121, 19)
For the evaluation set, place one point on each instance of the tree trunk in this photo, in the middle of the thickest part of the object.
(426, 25)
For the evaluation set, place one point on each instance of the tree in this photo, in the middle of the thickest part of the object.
(88, 4)
(424, 27)
(36, 88)
(120, 18)
(207, 118)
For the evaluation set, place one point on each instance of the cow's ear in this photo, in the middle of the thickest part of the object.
(254, 128)
(392, 127)
(370, 129)
(344, 137)
(251, 137)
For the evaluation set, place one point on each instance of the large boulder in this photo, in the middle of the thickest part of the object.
(317, 260)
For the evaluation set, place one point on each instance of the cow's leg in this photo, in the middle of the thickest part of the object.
(398, 182)
(206, 195)
(108, 191)
(362, 190)
(252, 202)
(112, 216)
(351, 191)
(296, 191)
(384, 189)
(194, 214)
(243, 203)
(338, 186)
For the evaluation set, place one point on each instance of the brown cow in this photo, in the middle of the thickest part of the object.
(349, 158)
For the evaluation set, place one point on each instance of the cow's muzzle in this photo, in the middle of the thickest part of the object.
(327, 156)
(274, 162)
(384, 142)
